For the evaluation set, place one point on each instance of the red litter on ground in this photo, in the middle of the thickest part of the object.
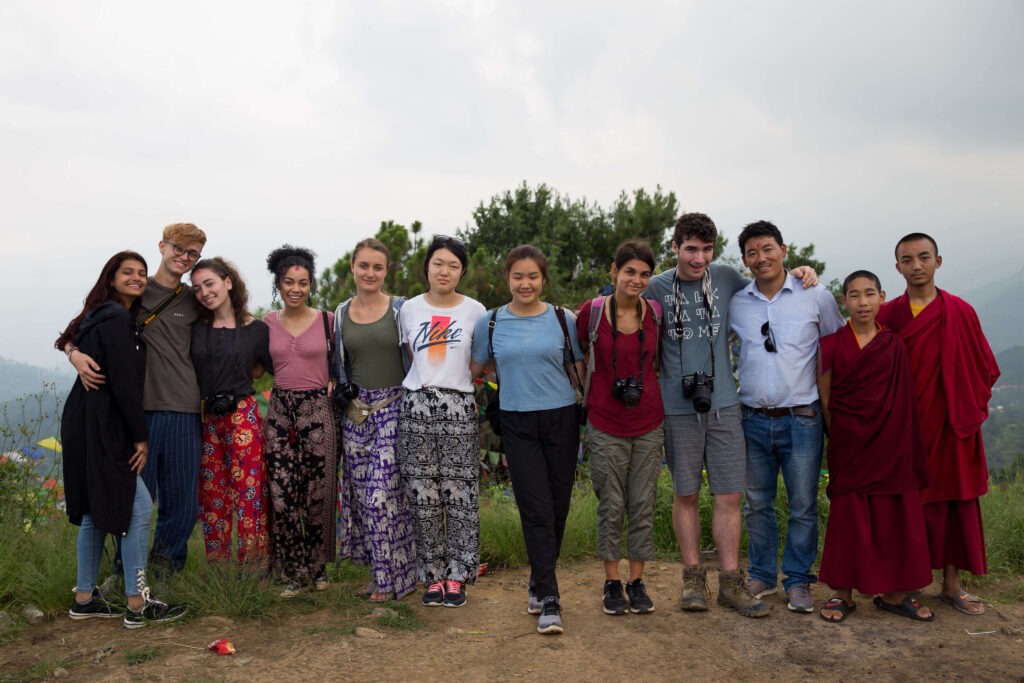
(222, 647)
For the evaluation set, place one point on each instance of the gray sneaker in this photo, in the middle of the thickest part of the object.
(550, 620)
(534, 604)
(760, 589)
(800, 598)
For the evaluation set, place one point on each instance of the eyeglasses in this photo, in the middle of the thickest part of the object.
(769, 342)
(192, 254)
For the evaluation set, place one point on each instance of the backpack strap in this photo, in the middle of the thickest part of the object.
(578, 384)
(596, 311)
(490, 343)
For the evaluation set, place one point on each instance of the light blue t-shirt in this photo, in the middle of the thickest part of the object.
(530, 354)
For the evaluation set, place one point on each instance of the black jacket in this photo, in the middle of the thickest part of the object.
(100, 427)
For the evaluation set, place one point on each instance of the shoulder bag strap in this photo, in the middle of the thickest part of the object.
(162, 306)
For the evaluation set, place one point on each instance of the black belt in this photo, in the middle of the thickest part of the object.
(795, 411)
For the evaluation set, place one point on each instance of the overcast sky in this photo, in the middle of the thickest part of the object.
(848, 124)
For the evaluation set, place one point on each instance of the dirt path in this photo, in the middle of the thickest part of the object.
(493, 638)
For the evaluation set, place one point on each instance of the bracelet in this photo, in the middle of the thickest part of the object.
(70, 351)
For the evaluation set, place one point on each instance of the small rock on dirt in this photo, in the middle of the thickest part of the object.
(103, 653)
(363, 632)
(32, 615)
(60, 672)
(452, 631)
(1008, 631)
(383, 613)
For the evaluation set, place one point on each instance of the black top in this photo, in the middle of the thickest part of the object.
(99, 428)
(224, 357)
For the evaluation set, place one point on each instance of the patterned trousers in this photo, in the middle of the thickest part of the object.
(439, 458)
(232, 477)
(302, 471)
(377, 527)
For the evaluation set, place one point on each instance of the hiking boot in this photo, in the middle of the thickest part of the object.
(800, 598)
(321, 582)
(434, 597)
(614, 601)
(454, 594)
(760, 589)
(154, 612)
(533, 604)
(639, 603)
(734, 594)
(96, 608)
(550, 620)
(696, 591)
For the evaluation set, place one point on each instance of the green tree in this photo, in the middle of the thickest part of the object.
(405, 276)
(578, 237)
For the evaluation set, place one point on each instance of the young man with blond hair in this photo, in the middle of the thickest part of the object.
(171, 395)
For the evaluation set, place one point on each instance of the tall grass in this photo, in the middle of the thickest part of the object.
(38, 545)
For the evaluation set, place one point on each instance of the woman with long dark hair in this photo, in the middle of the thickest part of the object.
(104, 439)
(539, 416)
(302, 451)
(624, 426)
(437, 430)
(229, 348)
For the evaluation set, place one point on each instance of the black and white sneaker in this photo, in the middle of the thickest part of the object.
(550, 620)
(96, 608)
(639, 603)
(614, 601)
(434, 597)
(454, 594)
(154, 612)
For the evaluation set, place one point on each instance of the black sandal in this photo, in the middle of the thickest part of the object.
(837, 604)
(909, 608)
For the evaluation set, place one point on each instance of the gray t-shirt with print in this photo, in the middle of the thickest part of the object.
(690, 352)
(170, 377)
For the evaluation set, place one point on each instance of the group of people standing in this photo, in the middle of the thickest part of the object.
(164, 409)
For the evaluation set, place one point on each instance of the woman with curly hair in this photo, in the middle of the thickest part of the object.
(229, 349)
(105, 442)
(302, 456)
(377, 527)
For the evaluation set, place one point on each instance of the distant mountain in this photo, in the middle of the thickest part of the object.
(1004, 429)
(19, 379)
(1000, 318)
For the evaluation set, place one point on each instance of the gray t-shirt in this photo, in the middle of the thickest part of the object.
(691, 352)
(170, 378)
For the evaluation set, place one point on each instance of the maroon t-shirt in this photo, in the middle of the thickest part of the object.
(606, 412)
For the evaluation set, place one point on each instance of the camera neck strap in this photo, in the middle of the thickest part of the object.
(708, 293)
(209, 352)
(613, 314)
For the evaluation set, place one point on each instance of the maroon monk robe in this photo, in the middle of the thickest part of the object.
(874, 441)
(875, 541)
(954, 370)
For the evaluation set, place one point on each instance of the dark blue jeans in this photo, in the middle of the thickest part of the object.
(792, 445)
(172, 476)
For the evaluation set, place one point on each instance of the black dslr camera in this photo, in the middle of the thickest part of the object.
(628, 391)
(221, 404)
(344, 393)
(698, 387)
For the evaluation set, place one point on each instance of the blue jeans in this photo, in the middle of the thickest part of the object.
(172, 476)
(793, 445)
(134, 545)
